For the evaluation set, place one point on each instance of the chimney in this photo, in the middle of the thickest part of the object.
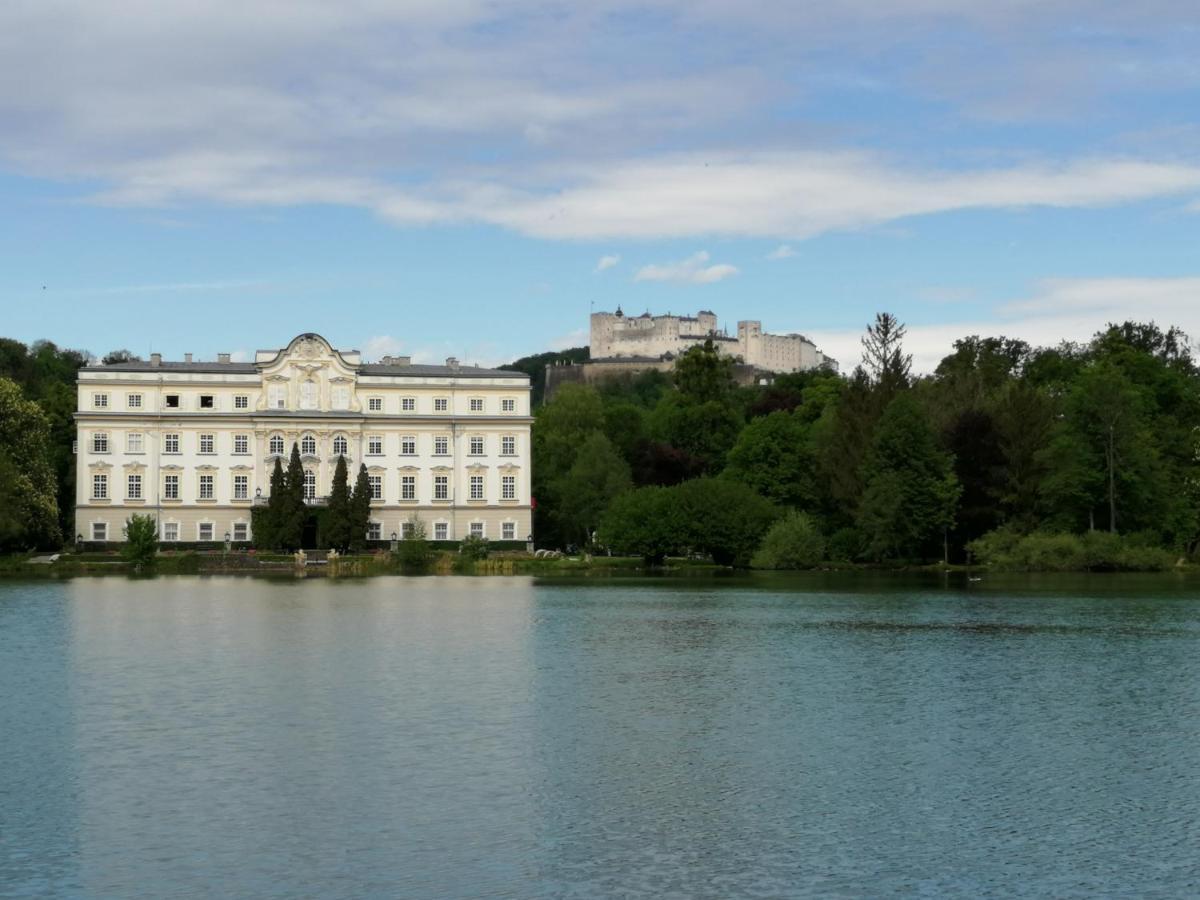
(397, 360)
(187, 357)
(452, 362)
(222, 357)
(156, 359)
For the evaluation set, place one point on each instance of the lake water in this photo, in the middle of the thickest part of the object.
(505, 737)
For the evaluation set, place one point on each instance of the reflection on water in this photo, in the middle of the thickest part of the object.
(502, 737)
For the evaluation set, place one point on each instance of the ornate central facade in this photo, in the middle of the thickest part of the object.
(194, 443)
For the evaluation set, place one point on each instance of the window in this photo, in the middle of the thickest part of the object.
(241, 487)
(476, 446)
(275, 445)
(340, 446)
(133, 442)
(208, 443)
(408, 487)
(170, 443)
(508, 531)
(241, 401)
(408, 404)
(308, 445)
(339, 396)
(133, 401)
(477, 529)
(170, 487)
(476, 404)
(441, 531)
(170, 531)
(241, 531)
(133, 487)
(99, 531)
(374, 445)
(441, 487)
(441, 404)
(408, 445)
(171, 401)
(99, 487)
(241, 443)
(375, 404)
(310, 485)
(508, 487)
(99, 401)
(277, 396)
(374, 531)
(205, 531)
(508, 404)
(100, 442)
(476, 491)
(406, 530)
(206, 486)
(207, 401)
(508, 445)
(308, 395)
(375, 482)
(441, 446)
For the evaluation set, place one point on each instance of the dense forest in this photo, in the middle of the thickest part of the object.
(1075, 456)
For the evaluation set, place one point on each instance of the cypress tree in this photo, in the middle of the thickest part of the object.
(337, 518)
(292, 510)
(266, 523)
(360, 509)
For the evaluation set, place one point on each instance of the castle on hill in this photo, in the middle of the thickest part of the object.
(615, 336)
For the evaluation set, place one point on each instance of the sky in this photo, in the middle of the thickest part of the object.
(472, 178)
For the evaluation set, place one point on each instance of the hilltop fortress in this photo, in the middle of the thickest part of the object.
(647, 338)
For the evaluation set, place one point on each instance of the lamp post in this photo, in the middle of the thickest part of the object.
(78, 542)
(395, 546)
(227, 542)
(529, 543)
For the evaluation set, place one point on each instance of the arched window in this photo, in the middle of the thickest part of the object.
(340, 446)
(276, 444)
(310, 485)
(308, 445)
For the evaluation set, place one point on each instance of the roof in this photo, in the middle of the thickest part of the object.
(247, 368)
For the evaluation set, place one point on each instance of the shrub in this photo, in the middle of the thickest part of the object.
(414, 554)
(1095, 551)
(845, 544)
(141, 542)
(474, 548)
(794, 542)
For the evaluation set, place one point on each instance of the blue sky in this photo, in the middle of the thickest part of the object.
(470, 178)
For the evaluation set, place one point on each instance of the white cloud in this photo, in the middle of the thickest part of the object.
(381, 345)
(577, 338)
(607, 262)
(689, 271)
(240, 356)
(783, 251)
(1057, 310)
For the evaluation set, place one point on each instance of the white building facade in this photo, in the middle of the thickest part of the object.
(617, 336)
(194, 443)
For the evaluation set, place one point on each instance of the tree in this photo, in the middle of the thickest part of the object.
(794, 542)
(884, 356)
(774, 455)
(723, 519)
(114, 357)
(703, 375)
(266, 519)
(705, 430)
(24, 441)
(337, 515)
(911, 492)
(291, 512)
(360, 509)
(414, 554)
(584, 493)
(641, 523)
(141, 542)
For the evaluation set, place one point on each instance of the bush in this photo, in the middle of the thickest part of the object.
(414, 554)
(1095, 551)
(474, 548)
(794, 542)
(845, 545)
(141, 542)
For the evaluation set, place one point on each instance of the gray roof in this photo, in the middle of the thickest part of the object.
(248, 368)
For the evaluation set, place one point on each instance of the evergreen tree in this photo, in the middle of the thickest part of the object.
(337, 515)
(360, 510)
(884, 356)
(267, 518)
(292, 511)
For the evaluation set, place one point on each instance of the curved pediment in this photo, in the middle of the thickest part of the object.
(308, 374)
